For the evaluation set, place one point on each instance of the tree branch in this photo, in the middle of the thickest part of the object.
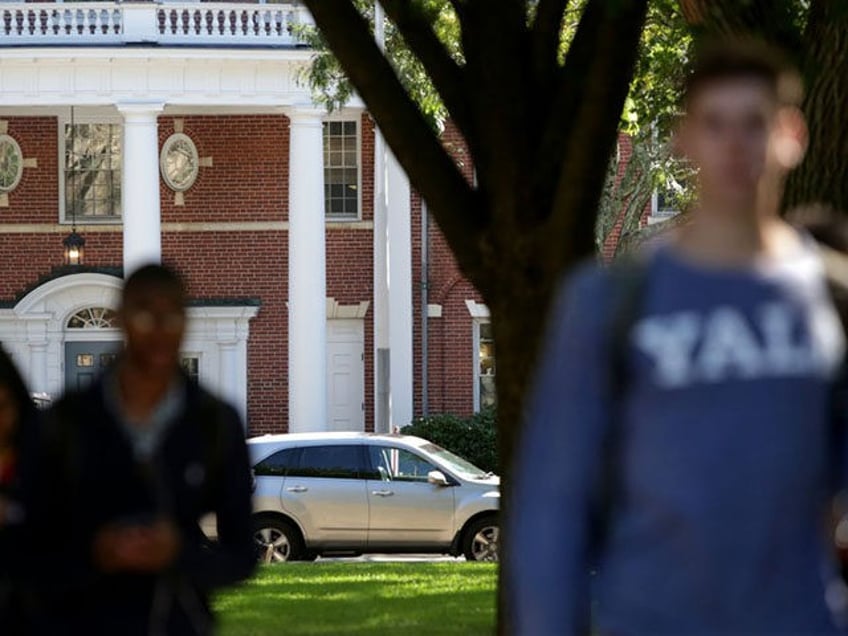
(770, 19)
(445, 73)
(500, 92)
(547, 29)
(430, 168)
(591, 94)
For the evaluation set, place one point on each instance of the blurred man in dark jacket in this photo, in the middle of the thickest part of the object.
(126, 470)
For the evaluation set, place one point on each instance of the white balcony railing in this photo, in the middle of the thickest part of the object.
(188, 23)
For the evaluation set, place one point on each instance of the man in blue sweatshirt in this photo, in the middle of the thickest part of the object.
(691, 497)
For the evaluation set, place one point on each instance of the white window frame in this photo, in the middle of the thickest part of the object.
(100, 117)
(357, 120)
(476, 355)
(658, 215)
(197, 356)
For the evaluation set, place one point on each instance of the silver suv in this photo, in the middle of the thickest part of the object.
(322, 493)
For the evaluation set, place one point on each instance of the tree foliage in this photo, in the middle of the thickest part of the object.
(537, 88)
(332, 87)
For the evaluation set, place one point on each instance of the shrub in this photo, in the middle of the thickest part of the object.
(473, 438)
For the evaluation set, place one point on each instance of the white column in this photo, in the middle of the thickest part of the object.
(38, 366)
(382, 384)
(382, 357)
(140, 185)
(400, 293)
(307, 279)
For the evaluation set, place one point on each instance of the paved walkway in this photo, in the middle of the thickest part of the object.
(395, 558)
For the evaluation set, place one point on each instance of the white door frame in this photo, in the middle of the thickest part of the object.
(35, 329)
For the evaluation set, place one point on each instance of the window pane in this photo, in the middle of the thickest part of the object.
(341, 169)
(399, 464)
(85, 360)
(486, 369)
(337, 462)
(92, 170)
(278, 464)
(191, 367)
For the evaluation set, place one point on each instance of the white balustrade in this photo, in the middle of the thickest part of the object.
(186, 23)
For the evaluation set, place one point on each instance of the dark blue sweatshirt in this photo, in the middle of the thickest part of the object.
(720, 469)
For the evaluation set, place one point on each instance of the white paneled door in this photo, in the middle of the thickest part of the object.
(345, 375)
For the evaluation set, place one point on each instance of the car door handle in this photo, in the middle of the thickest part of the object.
(297, 488)
(382, 493)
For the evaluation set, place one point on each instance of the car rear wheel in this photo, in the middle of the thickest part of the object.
(481, 540)
(276, 540)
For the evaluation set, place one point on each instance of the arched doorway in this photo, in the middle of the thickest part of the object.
(62, 333)
(35, 331)
(92, 343)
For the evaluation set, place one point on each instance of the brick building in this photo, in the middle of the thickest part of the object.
(321, 297)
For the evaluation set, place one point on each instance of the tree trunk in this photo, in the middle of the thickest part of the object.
(823, 56)
(822, 175)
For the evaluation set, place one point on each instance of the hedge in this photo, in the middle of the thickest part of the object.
(473, 438)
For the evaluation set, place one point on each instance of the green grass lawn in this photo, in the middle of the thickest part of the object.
(401, 599)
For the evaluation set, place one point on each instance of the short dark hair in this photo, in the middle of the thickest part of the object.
(734, 58)
(159, 277)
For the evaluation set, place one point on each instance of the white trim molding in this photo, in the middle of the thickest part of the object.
(35, 331)
(335, 310)
(434, 311)
(477, 310)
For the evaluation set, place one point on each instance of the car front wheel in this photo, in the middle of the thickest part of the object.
(481, 540)
(276, 541)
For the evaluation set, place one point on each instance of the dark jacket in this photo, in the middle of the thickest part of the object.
(14, 566)
(87, 478)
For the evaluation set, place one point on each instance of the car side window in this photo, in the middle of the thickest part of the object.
(399, 464)
(339, 461)
(277, 465)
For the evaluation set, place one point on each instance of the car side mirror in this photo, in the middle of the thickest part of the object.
(437, 478)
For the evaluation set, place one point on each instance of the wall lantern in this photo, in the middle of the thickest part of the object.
(74, 248)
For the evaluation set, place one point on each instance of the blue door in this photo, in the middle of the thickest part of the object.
(84, 361)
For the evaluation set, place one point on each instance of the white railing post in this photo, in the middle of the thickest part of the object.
(140, 22)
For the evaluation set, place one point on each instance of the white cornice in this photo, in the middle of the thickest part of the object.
(199, 226)
(208, 77)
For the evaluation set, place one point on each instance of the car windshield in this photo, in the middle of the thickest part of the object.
(454, 462)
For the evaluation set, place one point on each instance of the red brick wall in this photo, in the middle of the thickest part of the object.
(248, 178)
(34, 199)
(451, 355)
(248, 181)
(625, 150)
(366, 126)
(32, 256)
(254, 265)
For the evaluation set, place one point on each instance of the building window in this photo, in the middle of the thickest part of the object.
(94, 318)
(484, 394)
(672, 197)
(191, 366)
(93, 171)
(341, 169)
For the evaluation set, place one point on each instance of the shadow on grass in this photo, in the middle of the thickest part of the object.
(362, 598)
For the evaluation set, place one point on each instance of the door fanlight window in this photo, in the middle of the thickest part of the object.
(94, 318)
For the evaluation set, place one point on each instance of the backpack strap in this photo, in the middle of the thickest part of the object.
(836, 275)
(629, 280)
